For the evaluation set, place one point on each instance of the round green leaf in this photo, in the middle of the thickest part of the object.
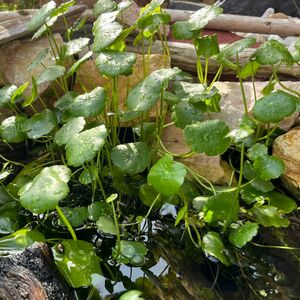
(98, 209)
(88, 175)
(274, 107)
(268, 167)
(106, 225)
(209, 137)
(68, 130)
(77, 261)
(11, 129)
(131, 158)
(76, 216)
(242, 235)
(85, 145)
(113, 64)
(181, 31)
(46, 190)
(166, 176)
(213, 245)
(50, 74)
(207, 46)
(256, 151)
(89, 104)
(148, 194)
(65, 101)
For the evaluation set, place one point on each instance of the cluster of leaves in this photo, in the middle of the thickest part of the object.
(81, 134)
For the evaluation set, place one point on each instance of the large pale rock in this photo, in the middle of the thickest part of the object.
(232, 107)
(287, 147)
(213, 168)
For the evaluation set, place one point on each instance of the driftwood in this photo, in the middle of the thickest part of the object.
(183, 56)
(14, 25)
(31, 275)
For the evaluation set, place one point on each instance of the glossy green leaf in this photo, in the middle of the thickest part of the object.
(74, 46)
(64, 102)
(145, 130)
(40, 124)
(274, 107)
(85, 145)
(50, 74)
(239, 134)
(281, 201)
(151, 7)
(150, 24)
(269, 88)
(256, 151)
(89, 104)
(148, 195)
(213, 245)
(268, 167)
(199, 202)
(105, 224)
(40, 16)
(166, 176)
(249, 69)
(221, 208)
(76, 261)
(203, 16)
(6, 93)
(209, 137)
(131, 252)
(46, 190)
(78, 63)
(39, 59)
(132, 295)
(240, 236)
(34, 93)
(181, 31)
(236, 47)
(98, 209)
(88, 175)
(68, 130)
(273, 52)
(11, 129)
(132, 157)
(76, 216)
(207, 46)
(103, 6)
(19, 92)
(9, 217)
(187, 90)
(181, 213)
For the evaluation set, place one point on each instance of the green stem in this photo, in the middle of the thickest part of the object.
(66, 222)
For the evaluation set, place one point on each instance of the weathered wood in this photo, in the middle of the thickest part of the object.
(183, 56)
(16, 27)
(31, 275)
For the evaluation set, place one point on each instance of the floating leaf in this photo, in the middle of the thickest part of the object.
(39, 59)
(46, 190)
(85, 145)
(50, 74)
(78, 63)
(207, 46)
(209, 137)
(131, 158)
(242, 235)
(106, 225)
(113, 64)
(236, 47)
(181, 31)
(88, 175)
(68, 130)
(76, 261)
(203, 16)
(268, 167)
(166, 176)
(213, 245)
(11, 129)
(40, 124)
(256, 151)
(6, 93)
(76, 216)
(89, 104)
(274, 107)
(103, 6)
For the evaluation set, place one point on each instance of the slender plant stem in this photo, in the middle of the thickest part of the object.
(66, 222)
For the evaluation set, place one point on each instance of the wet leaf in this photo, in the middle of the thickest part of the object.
(85, 145)
(11, 129)
(274, 107)
(76, 216)
(65, 101)
(181, 31)
(89, 104)
(241, 133)
(103, 6)
(74, 46)
(98, 209)
(268, 167)
(209, 137)
(166, 176)
(242, 235)
(256, 151)
(207, 46)
(106, 225)
(39, 59)
(76, 262)
(68, 130)
(213, 245)
(50, 74)
(46, 190)
(131, 158)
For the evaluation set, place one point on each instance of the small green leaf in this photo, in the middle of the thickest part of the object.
(76, 216)
(213, 245)
(76, 261)
(98, 209)
(85, 145)
(11, 129)
(268, 167)
(111, 198)
(273, 52)
(209, 137)
(34, 93)
(78, 63)
(236, 47)
(207, 46)
(269, 88)
(88, 175)
(241, 133)
(132, 295)
(19, 92)
(64, 102)
(188, 90)
(106, 225)
(274, 107)
(50, 74)
(166, 176)
(46, 190)
(49, 22)
(103, 6)
(40, 124)
(256, 151)
(68, 130)
(74, 46)
(39, 59)
(6, 93)
(181, 31)
(181, 214)
(89, 104)
(145, 130)
(150, 24)
(148, 195)
(203, 16)
(281, 201)
(242, 235)
(131, 158)
(9, 217)
(249, 69)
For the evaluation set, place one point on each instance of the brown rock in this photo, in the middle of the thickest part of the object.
(287, 148)
(213, 168)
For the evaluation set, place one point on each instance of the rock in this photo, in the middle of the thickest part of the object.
(287, 148)
(232, 107)
(213, 168)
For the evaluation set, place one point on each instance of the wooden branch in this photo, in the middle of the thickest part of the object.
(227, 22)
(16, 27)
(184, 57)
